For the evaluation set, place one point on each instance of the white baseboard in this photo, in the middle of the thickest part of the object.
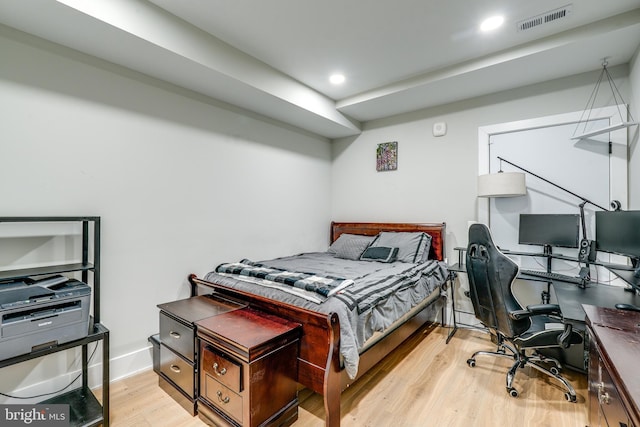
(128, 364)
(119, 367)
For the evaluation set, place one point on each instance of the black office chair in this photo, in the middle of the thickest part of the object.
(514, 329)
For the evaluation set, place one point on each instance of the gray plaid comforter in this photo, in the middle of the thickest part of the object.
(380, 295)
(324, 286)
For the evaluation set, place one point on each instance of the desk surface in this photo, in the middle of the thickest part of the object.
(570, 298)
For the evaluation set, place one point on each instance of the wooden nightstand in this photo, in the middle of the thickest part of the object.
(179, 353)
(248, 369)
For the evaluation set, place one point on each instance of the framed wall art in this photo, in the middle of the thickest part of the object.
(387, 156)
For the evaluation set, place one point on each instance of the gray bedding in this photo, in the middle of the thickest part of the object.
(381, 293)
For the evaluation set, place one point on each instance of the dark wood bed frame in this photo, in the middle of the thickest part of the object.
(319, 358)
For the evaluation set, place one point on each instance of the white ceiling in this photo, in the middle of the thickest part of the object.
(274, 57)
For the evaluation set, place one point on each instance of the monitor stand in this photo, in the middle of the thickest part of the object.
(545, 295)
(633, 279)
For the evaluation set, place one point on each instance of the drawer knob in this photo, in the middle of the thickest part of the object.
(220, 372)
(222, 399)
(603, 396)
(175, 368)
(603, 399)
(174, 334)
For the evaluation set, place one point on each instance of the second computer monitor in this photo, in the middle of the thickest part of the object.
(618, 232)
(559, 230)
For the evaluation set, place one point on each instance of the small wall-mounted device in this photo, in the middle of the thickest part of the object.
(439, 129)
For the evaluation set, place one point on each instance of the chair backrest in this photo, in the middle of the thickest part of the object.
(491, 274)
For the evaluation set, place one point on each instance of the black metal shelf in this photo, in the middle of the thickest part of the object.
(23, 273)
(85, 410)
(97, 332)
(48, 218)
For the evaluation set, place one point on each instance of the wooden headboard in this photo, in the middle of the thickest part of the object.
(435, 230)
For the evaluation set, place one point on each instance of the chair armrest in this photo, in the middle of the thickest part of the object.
(544, 308)
(520, 314)
(535, 310)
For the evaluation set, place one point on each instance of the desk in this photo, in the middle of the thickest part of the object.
(614, 384)
(570, 299)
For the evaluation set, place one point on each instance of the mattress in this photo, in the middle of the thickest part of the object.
(381, 294)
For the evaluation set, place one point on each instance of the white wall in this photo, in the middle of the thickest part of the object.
(181, 183)
(436, 178)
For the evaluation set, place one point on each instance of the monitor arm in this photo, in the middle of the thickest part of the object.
(584, 199)
(582, 220)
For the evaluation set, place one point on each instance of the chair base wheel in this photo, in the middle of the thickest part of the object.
(570, 397)
(471, 362)
(512, 392)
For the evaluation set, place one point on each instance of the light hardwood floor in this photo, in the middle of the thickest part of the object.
(424, 383)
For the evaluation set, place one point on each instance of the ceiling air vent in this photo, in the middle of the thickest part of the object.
(545, 18)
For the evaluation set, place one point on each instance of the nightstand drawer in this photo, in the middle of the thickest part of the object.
(177, 370)
(223, 398)
(223, 369)
(177, 336)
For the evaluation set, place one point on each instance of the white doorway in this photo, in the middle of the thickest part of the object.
(594, 169)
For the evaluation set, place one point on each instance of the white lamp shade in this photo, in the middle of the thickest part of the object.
(502, 184)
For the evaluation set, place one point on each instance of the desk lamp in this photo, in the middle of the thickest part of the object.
(503, 184)
(615, 203)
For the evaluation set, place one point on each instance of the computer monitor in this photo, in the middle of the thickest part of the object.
(618, 232)
(559, 230)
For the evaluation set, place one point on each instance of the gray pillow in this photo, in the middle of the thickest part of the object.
(380, 254)
(412, 247)
(350, 246)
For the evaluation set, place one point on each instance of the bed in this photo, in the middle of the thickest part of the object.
(351, 328)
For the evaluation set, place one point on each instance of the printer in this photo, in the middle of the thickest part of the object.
(41, 314)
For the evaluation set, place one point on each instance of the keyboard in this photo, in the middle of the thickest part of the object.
(552, 276)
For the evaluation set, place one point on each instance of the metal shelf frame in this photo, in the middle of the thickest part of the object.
(84, 407)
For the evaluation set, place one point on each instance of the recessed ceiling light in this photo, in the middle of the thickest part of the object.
(337, 79)
(492, 23)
